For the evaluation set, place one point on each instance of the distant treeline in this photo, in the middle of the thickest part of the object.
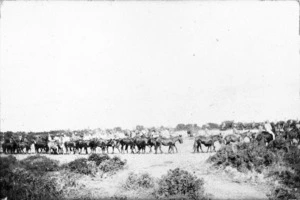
(223, 126)
(229, 124)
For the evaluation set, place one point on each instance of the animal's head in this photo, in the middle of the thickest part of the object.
(220, 138)
(180, 139)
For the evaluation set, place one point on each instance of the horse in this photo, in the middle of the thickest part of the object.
(25, 144)
(207, 141)
(127, 142)
(9, 146)
(106, 143)
(53, 145)
(167, 142)
(150, 143)
(141, 143)
(265, 137)
(70, 146)
(79, 144)
(232, 138)
(41, 143)
(94, 143)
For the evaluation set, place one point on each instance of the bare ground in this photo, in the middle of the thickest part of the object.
(217, 183)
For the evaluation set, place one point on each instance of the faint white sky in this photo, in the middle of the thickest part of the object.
(106, 64)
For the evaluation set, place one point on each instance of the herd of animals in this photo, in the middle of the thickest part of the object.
(58, 145)
(284, 134)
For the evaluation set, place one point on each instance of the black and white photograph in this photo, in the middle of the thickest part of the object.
(149, 99)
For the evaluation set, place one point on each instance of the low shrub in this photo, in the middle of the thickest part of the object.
(18, 182)
(281, 161)
(82, 166)
(292, 158)
(247, 156)
(98, 158)
(137, 181)
(180, 184)
(39, 164)
(283, 193)
(289, 178)
(112, 165)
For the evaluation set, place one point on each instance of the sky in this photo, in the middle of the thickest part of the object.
(87, 64)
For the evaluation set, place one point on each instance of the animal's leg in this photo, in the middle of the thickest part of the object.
(160, 149)
(201, 147)
(176, 148)
(118, 148)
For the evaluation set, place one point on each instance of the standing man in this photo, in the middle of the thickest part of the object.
(268, 128)
(206, 131)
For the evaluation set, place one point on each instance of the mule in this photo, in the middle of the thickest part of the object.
(208, 141)
(141, 143)
(82, 144)
(170, 142)
(106, 143)
(127, 142)
(70, 146)
(40, 144)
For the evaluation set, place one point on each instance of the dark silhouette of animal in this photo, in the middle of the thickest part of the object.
(106, 143)
(41, 144)
(70, 146)
(26, 144)
(141, 143)
(151, 143)
(9, 146)
(82, 144)
(127, 142)
(264, 137)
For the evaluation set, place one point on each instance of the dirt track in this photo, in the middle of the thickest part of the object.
(218, 184)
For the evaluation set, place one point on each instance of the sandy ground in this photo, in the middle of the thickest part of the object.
(219, 185)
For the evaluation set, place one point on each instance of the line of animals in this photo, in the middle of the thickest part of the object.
(57, 145)
(286, 134)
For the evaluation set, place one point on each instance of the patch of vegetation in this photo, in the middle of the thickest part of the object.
(139, 181)
(112, 165)
(82, 166)
(39, 164)
(94, 164)
(247, 156)
(119, 198)
(274, 161)
(289, 178)
(283, 193)
(18, 182)
(180, 184)
(98, 158)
